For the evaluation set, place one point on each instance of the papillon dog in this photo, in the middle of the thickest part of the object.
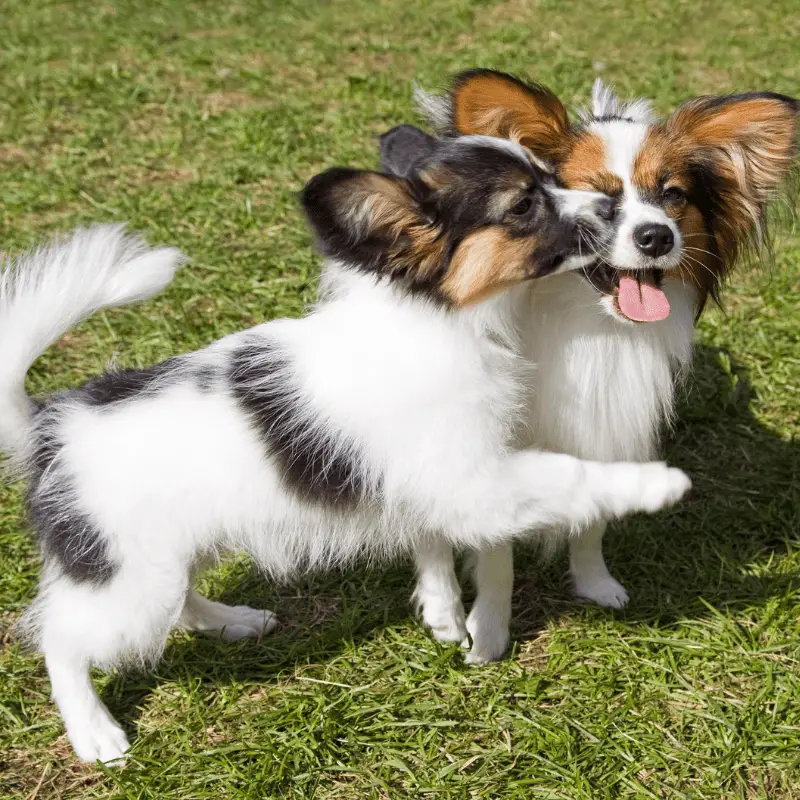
(610, 342)
(383, 421)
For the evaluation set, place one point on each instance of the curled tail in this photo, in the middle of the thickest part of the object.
(49, 290)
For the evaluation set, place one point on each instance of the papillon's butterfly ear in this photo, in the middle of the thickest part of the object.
(405, 149)
(371, 221)
(745, 148)
(495, 104)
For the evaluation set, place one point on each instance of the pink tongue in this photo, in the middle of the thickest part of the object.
(641, 302)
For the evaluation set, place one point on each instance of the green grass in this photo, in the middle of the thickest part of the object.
(198, 122)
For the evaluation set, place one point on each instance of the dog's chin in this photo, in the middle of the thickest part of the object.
(610, 282)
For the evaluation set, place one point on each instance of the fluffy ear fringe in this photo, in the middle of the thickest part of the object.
(749, 142)
(482, 101)
(352, 209)
(747, 147)
(374, 222)
(437, 109)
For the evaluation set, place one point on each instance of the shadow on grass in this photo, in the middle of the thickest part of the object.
(718, 546)
(714, 550)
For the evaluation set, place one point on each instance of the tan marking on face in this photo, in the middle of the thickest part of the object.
(661, 163)
(485, 263)
(505, 199)
(675, 209)
(585, 166)
(493, 105)
(657, 160)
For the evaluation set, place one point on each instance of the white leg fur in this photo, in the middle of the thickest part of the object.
(438, 594)
(489, 619)
(91, 729)
(228, 623)
(591, 579)
(531, 490)
(81, 626)
(617, 488)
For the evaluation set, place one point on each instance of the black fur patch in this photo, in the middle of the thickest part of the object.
(205, 377)
(727, 99)
(612, 118)
(73, 541)
(63, 534)
(311, 463)
(117, 386)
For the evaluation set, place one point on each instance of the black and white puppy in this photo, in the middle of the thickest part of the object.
(383, 419)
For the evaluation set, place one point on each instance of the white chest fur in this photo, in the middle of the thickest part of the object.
(602, 389)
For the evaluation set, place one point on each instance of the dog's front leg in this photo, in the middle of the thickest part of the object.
(591, 579)
(489, 620)
(438, 594)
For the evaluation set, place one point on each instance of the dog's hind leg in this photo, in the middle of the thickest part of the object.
(82, 624)
(93, 732)
(228, 623)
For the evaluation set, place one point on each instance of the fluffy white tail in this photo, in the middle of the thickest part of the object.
(48, 291)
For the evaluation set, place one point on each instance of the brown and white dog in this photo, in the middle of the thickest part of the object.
(608, 344)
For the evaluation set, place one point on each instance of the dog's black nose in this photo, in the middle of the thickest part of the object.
(606, 208)
(654, 240)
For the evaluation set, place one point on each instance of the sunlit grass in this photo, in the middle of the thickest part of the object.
(198, 123)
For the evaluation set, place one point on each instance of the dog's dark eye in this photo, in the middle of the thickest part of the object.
(672, 194)
(521, 208)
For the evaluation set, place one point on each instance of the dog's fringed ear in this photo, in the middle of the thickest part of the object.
(495, 104)
(371, 221)
(404, 149)
(746, 146)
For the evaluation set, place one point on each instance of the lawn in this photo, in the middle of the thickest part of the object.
(198, 122)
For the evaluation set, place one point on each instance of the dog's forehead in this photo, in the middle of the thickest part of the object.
(618, 156)
(487, 161)
(622, 142)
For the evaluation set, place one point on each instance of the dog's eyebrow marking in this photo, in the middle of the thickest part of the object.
(586, 166)
(314, 462)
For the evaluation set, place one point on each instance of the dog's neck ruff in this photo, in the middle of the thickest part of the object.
(601, 389)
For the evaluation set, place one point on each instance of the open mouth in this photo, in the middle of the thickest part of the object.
(637, 294)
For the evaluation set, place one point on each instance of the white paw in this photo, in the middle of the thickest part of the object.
(99, 738)
(643, 487)
(605, 591)
(447, 623)
(489, 640)
(243, 622)
(662, 486)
